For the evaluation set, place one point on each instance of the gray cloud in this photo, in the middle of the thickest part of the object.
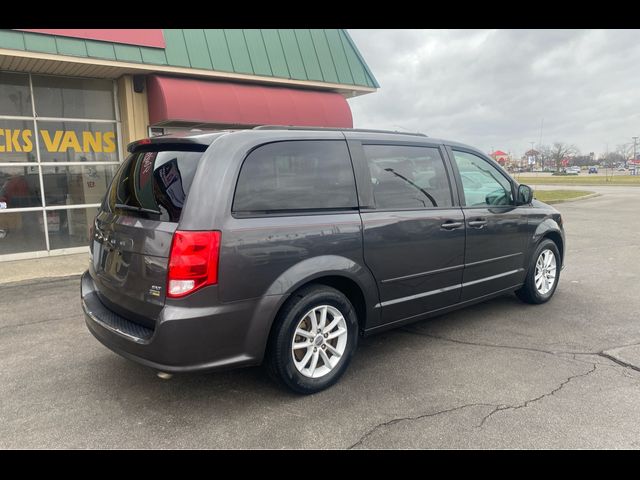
(492, 88)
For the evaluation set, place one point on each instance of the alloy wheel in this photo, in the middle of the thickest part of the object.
(545, 276)
(319, 341)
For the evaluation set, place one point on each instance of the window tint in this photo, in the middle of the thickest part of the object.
(296, 175)
(483, 183)
(407, 177)
(154, 184)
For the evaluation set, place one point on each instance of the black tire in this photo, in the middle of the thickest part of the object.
(528, 293)
(279, 357)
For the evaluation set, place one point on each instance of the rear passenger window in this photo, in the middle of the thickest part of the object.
(296, 176)
(407, 177)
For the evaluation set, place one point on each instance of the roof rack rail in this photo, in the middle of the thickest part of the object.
(364, 130)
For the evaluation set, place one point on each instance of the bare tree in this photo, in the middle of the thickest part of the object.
(625, 150)
(559, 151)
(545, 155)
(614, 158)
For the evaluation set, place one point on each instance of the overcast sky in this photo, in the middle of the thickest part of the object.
(492, 88)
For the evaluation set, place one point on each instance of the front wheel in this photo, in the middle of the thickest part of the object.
(314, 338)
(543, 274)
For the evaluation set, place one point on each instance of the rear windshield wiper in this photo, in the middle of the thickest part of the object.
(137, 209)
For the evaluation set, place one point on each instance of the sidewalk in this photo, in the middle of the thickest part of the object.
(48, 267)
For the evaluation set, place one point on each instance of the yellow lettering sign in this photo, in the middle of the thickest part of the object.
(91, 143)
(11, 140)
(51, 145)
(109, 142)
(26, 138)
(58, 141)
(69, 140)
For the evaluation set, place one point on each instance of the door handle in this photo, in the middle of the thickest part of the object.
(449, 225)
(478, 223)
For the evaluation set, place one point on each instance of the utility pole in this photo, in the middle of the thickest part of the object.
(534, 158)
(541, 125)
(635, 166)
(606, 163)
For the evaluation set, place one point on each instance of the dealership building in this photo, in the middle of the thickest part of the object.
(71, 101)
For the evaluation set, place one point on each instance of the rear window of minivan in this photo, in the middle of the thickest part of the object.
(153, 184)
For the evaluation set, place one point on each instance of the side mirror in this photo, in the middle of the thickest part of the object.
(525, 194)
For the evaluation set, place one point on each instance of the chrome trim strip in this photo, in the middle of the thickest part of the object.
(493, 277)
(446, 289)
(449, 269)
(473, 264)
(435, 312)
(421, 274)
(418, 295)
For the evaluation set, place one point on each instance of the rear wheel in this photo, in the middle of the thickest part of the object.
(543, 274)
(314, 338)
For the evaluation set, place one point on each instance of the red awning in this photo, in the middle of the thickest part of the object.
(201, 101)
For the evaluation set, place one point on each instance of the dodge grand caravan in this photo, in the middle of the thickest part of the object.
(284, 245)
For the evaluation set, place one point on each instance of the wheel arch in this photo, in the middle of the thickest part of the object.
(550, 229)
(558, 240)
(345, 275)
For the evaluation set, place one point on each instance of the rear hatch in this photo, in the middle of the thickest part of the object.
(134, 228)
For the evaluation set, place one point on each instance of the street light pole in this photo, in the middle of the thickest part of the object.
(534, 158)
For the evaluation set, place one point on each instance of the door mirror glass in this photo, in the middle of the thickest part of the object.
(525, 194)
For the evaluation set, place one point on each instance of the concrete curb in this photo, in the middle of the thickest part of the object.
(43, 269)
(576, 199)
(39, 280)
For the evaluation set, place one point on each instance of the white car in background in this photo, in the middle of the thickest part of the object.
(573, 170)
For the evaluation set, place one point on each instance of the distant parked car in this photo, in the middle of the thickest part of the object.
(593, 170)
(575, 170)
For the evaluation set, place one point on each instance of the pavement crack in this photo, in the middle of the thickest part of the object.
(493, 345)
(618, 361)
(369, 432)
(501, 408)
(25, 324)
(603, 354)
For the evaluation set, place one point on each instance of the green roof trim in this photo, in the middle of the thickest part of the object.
(328, 55)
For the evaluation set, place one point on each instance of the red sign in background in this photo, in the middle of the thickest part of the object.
(142, 37)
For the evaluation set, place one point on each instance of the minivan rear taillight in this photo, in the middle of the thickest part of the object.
(193, 262)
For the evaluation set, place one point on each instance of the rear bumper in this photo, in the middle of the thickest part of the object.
(184, 339)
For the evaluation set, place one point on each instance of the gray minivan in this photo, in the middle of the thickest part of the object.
(284, 245)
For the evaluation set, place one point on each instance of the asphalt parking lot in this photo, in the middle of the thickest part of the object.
(498, 375)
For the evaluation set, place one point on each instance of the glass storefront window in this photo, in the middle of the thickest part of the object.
(76, 184)
(19, 187)
(70, 228)
(67, 97)
(77, 142)
(75, 121)
(15, 97)
(21, 232)
(17, 141)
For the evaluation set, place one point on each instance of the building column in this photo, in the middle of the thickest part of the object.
(134, 111)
